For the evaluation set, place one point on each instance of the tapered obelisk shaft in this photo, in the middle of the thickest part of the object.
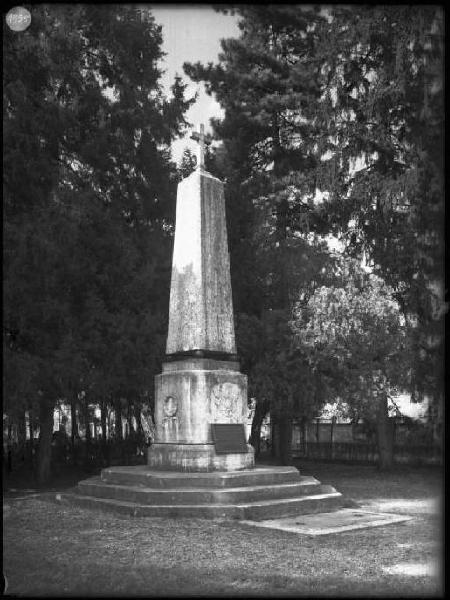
(200, 311)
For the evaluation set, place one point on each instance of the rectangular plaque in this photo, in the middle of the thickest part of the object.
(229, 437)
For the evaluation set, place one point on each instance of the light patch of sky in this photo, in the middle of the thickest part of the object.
(192, 33)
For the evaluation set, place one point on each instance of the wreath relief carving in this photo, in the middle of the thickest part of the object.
(226, 403)
(170, 419)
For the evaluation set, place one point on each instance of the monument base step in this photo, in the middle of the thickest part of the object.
(252, 511)
(198, 495)
(142, 475)
(259, 493)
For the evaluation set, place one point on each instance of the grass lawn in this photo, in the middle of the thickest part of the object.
(53, 549)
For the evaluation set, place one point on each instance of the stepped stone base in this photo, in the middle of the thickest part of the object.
(259, 493)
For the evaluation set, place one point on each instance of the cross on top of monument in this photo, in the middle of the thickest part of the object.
(203, 140)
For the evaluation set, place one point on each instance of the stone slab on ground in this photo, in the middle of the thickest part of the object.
(344, 519)
(428, 506)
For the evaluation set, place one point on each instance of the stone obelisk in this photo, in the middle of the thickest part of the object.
(200, 384)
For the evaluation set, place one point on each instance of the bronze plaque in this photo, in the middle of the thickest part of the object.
(229, 437)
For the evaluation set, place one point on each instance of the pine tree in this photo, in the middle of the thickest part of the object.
(382, 128)
(267, 83)
(89, 202)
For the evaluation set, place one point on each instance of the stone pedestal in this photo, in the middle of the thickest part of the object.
(190, 395)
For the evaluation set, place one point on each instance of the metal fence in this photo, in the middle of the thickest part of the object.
(100, 454)
(365, 452)
(92, 455)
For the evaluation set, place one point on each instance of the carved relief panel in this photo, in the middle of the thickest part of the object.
(226, 403)
(170, 419)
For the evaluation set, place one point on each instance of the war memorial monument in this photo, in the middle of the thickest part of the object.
(200, 464)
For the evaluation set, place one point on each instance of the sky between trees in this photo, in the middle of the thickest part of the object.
(192, 33)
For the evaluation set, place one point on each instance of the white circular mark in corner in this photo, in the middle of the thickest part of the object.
(18, 18)
(5, 584)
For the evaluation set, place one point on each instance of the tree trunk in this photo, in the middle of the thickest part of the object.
(88, 431)
(23, 436)
(261, 410)
(305, 437)
(130, 410)
(9, 445)
(103, 417)
(384, 435)
(103, 420)
(86, 420)
(118, 411)
(285, 440)
(119, 445)
(138, 415)
(333, 421)
(73, 421)
(46, 411)
(274, 450)
(282, 439)
(31, 434)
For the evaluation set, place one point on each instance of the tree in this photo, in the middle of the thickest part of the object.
(89, 202)
(266, 82)
(280, 377)
(381, 122)
(356, 340)
(333, 125)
